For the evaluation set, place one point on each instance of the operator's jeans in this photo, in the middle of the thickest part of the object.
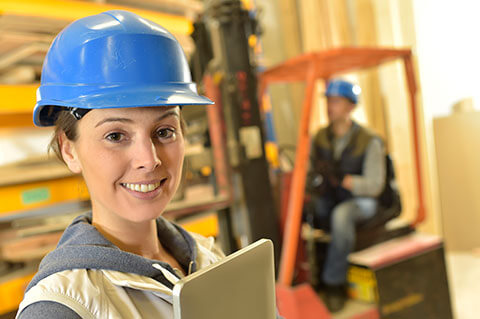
(344, 217)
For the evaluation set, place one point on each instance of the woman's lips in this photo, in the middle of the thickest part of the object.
(146, 190)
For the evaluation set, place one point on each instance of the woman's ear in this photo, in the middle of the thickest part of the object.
(69, 153)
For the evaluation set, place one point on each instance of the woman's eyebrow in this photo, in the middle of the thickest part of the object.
(114, 119)
(127, 120)
(167, 114)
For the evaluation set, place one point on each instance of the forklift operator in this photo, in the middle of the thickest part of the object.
(347, 174)
(113, 85)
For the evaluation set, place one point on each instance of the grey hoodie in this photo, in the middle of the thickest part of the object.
(83, 247)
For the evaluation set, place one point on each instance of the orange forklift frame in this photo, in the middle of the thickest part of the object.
(324, 65)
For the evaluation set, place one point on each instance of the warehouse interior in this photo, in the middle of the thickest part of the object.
(266, 65)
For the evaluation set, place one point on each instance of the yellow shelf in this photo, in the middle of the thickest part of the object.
(73, 10)
(206, 225)
(16, 105)
(17, 198)
(37, 184)
(17, 99)
(12, 290)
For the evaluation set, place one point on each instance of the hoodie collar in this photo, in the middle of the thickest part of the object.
(82, 246)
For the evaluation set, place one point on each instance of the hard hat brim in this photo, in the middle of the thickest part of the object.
(114, 96)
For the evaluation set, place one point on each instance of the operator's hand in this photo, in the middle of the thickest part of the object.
(347, 182)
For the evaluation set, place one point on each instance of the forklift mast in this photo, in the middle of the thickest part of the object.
(222, 50)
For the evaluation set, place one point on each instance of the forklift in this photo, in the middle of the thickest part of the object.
(393, 248)
(224, 63)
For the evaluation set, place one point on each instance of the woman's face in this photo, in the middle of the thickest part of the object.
(131, 160)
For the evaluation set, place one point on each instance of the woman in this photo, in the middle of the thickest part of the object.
(113, 85)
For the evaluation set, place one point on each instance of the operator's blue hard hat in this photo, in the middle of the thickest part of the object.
(344, 89)
(115, 59)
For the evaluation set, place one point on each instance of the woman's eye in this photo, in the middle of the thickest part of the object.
(166, 133)
(114, 137)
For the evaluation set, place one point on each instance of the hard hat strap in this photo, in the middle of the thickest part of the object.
(78, 113)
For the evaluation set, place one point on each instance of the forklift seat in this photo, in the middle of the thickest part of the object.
(373, 230)
(369, 232)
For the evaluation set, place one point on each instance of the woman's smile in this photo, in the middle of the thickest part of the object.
(145, 190)
(141, 187)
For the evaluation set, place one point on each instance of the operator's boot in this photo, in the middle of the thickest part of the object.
(335, 297)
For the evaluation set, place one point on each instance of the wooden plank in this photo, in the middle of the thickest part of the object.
(290, 26)
(29, 248)
(395, 27)
(371, 100)
(32, 170)
(12, 234)
(342, 24)
(311, 17)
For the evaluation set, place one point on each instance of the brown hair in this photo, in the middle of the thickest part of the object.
(67, 123)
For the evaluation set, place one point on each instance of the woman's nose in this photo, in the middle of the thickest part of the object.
(145, 155)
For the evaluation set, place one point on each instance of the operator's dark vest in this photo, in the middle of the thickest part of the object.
(350, 162)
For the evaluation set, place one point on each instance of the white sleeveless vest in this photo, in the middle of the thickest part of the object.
(112, 294)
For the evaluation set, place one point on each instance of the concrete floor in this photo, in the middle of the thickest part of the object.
(353, 309)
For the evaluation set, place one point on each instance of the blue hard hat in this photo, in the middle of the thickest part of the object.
(115, 59)
(344, 89)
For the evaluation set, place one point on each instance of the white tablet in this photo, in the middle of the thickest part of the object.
(240, 286)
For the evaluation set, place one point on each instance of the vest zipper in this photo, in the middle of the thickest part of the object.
(190, 267)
